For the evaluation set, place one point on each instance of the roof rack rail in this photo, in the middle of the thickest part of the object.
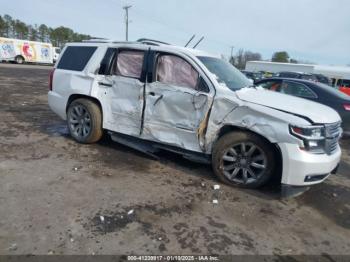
(151, 42)
(97, 40)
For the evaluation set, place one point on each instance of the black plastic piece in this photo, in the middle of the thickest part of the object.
(288, 191)
(106, 63)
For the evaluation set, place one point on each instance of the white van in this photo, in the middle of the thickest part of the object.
(23, 51)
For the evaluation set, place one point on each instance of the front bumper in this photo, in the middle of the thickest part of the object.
(301, 168)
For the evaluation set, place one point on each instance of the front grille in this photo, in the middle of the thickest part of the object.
(333, 133)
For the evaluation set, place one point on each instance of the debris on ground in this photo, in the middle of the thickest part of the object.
(334, 194)
(13, 247)
(131, 212)
(102, 218)
(215, 201)
(216, 187)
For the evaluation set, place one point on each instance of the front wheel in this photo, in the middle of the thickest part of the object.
(243, 159)
(84, 119)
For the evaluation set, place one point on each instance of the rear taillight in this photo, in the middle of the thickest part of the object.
(347, 107)
(51, 79)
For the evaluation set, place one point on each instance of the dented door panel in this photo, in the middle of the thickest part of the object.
(173, 115)
(125, 102)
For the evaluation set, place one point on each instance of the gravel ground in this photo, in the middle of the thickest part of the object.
(61, 197)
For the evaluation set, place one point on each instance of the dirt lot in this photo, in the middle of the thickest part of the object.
(54, 191)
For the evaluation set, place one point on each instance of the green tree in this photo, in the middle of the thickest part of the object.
(44, 33)
(281, 57)
(21, 30)
(8, 26)
(33, 33)
(15, 28)
(2, 26)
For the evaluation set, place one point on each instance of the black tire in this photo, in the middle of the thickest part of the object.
(223, 150)
(19, 59)
(95, 132)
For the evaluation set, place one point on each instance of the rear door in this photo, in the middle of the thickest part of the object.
(121, 92)
(178, 99)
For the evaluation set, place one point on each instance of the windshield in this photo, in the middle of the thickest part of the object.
(225, 73)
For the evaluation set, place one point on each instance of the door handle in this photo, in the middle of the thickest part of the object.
(105, 84)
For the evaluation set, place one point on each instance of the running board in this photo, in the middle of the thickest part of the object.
(150, 148)
(134, 143)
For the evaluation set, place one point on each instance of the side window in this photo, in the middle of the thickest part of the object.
(129, 63)
(176, 71)
(296, 89)
(272, 85)
(75, 58)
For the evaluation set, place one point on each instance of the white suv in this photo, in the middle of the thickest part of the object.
(153, 96)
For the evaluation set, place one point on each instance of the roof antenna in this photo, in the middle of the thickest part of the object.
(189, 41)
(200, 40)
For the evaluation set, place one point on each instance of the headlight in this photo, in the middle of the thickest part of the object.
(312, 136)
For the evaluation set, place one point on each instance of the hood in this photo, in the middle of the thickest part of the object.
(316, 112)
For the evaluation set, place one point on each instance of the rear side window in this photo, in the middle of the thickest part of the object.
(173, 70)
(76, 57)
(129, 63)
(296, 89)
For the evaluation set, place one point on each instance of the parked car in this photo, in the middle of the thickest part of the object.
(344, 86)
(316, 92)
(323, 79)
(297, 75)
(153, 96)
(255, 76)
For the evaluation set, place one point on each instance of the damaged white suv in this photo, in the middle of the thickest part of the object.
(151, 96)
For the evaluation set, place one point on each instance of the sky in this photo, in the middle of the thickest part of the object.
(310, 30)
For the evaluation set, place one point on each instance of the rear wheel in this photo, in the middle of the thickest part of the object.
(84, 119)
(243, 159)
(19, 59)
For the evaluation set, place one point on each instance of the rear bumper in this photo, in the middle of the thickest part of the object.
(57, 104)
(301, 168)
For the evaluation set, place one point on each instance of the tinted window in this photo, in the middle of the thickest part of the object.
(76, 57)
(345, 83)
(296, 89)
(129, 63)
(226, 74)
(287, 74)
(272, 85)
(174, 70)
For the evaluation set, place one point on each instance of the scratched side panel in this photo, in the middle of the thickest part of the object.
(269, 123)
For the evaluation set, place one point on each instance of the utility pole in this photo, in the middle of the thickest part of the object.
(126, 8)
(231, 58)
(232, 51)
